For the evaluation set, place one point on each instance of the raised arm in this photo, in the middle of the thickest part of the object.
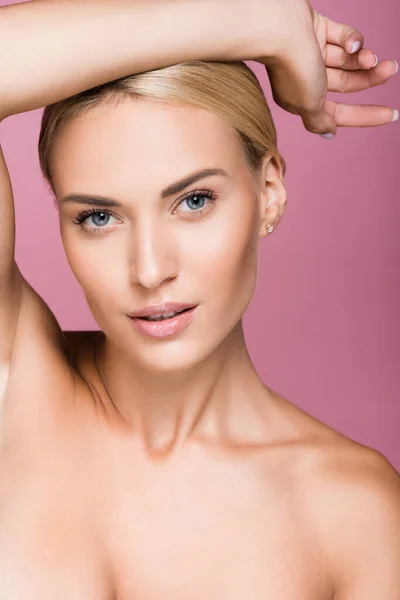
(53, 49)
(57, 48)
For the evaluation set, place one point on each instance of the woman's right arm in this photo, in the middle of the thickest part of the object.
(53, 49)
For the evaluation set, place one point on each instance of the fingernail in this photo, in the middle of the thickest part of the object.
(356, 46)
(395, 115)
(327, 136)
(376, 61)
(397, 67)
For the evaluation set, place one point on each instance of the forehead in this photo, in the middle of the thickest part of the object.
(148, 143)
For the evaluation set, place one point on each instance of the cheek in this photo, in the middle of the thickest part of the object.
(95, 270)
(228, 259)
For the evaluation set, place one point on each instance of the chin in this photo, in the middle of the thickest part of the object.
(172, 358)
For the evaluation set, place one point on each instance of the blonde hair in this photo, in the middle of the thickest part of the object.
(229, 89)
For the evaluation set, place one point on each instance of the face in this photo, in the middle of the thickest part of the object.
(197, 245)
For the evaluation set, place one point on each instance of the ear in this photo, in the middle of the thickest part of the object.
(272, 194)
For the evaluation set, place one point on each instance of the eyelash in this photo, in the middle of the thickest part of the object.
(206, 193)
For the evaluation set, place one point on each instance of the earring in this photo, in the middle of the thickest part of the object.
(270, 228)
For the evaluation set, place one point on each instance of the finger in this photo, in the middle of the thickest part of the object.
(357, 81)
(320, 122)
(343, 35)
(355, 115)
(338, 58)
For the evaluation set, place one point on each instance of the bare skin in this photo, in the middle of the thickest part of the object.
(85, 513)
(194, 480)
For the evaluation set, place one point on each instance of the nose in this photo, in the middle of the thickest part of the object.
(153, 257)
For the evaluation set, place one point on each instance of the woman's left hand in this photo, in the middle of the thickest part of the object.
(314, 55)
(351, 73)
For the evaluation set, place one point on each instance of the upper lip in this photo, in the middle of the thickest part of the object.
(161, 309)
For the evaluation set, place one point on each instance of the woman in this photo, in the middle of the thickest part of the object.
(150, 461)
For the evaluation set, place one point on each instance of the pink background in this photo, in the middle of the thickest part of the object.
(324, 326)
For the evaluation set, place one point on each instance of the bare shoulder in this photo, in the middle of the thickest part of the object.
(353, 499)
(349, 496)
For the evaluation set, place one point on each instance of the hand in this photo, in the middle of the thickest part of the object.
(319, 58)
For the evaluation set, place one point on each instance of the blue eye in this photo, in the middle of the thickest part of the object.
(102, 215)
(94, 212)
(197, 199)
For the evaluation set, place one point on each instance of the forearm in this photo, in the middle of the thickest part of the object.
(53, 49)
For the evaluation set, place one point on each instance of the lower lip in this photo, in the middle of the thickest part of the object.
(165, 328)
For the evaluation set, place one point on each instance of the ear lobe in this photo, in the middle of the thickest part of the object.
(273, 194)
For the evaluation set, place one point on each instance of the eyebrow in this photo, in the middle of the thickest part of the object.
(174, 188)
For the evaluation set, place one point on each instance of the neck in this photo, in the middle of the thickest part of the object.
(219, 400)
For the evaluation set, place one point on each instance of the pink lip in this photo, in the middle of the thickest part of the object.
(165, 328)
(161, 309)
